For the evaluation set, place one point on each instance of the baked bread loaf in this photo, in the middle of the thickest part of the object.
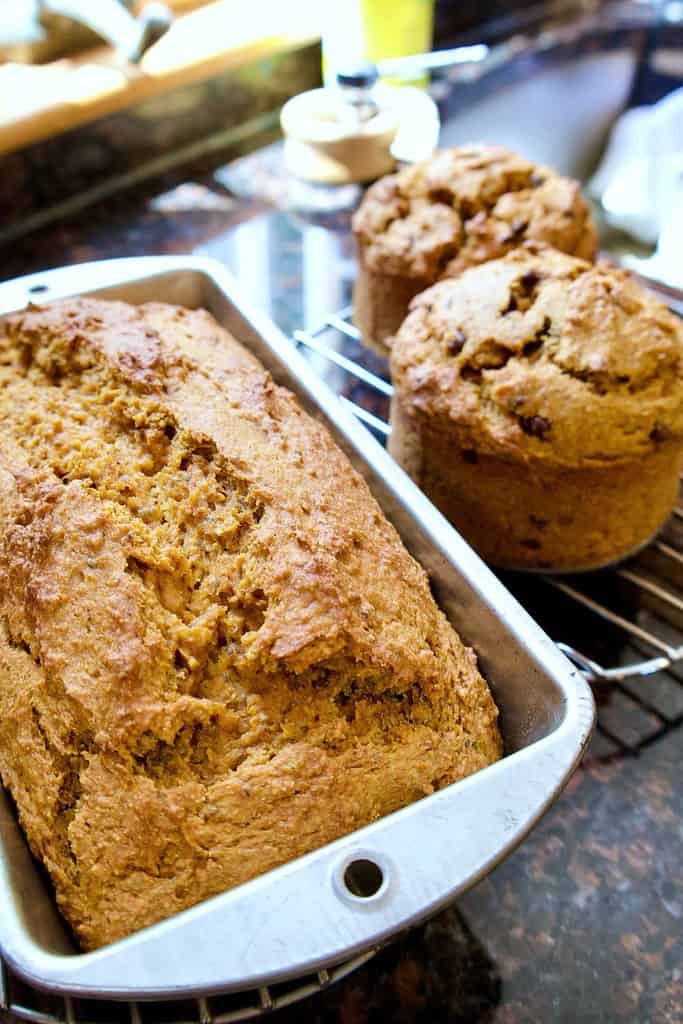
(215, 653)
(538, 400)
(460, 208)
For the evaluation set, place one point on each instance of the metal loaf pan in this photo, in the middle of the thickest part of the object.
(301, 917)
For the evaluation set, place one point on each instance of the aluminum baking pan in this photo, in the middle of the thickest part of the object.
(302, 917)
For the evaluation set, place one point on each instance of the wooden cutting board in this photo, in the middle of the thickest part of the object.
(37, 102)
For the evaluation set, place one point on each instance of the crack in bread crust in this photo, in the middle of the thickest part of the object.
(216, 654)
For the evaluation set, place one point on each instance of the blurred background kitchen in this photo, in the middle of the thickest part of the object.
(97, 96)
(130, 128)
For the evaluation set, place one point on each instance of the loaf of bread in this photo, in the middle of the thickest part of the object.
(461, 207)
(215, 653)
(538, 400)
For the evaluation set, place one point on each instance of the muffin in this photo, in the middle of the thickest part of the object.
(538, 401)
(461, 207)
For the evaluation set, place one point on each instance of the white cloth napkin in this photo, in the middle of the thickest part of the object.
(640, 179)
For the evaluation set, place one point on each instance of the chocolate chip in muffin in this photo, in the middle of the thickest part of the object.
(541, 334)
(441, 195)
(532, 346)
(471, 373)
(535, 426)
(456, 344)
(660, 433)
(515, 232)
(523, 292)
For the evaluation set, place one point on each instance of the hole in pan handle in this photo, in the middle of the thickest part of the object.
(363, 878)
(306, 915)
(83, 277)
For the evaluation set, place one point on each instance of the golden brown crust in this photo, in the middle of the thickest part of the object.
(524, 516)
(215, 654)
(380, 303)
(462, 207)
(538, 400)
(465, 206)
(543, 357)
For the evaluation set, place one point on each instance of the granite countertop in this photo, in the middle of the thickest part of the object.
(584, 922)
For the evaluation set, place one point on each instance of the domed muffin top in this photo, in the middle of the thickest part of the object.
(464, 206)
(541, 356)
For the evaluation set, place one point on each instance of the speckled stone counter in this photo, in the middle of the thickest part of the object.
(585, 921)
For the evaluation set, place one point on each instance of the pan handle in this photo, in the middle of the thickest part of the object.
(340, 900)
(47, 285)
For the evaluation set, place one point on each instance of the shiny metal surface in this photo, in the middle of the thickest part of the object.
(298, 920)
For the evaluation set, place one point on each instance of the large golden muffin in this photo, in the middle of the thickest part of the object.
(215, 652)
(538, 400)
(460, 208)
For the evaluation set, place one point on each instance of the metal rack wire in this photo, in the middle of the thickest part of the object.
(623, 627)
(25, 1003)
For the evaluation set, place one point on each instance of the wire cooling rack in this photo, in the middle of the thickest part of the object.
(22, 1002)
(623, 626)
